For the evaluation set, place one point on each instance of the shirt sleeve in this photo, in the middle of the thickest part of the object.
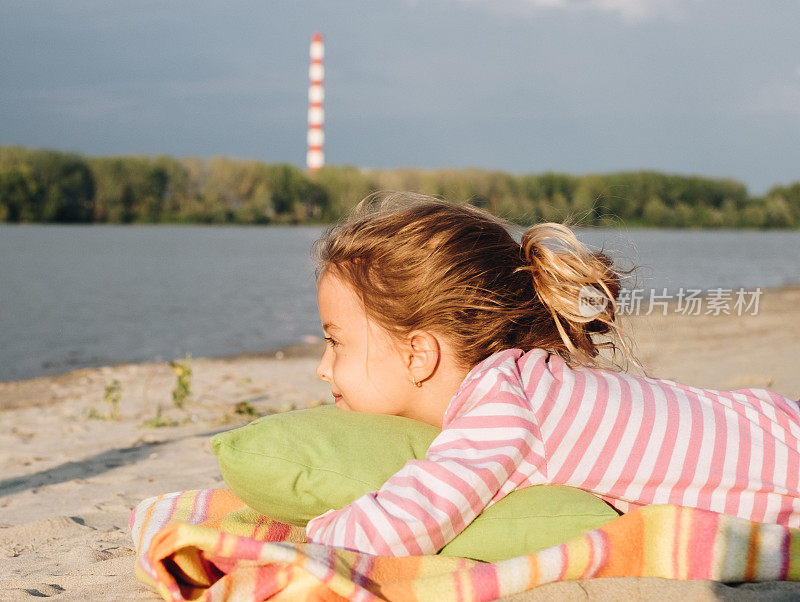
(428, 502)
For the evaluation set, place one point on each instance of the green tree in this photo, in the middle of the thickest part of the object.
(68, 194)
(555, 208)
(731, 216)
(656, 213)
(684, 215)
(345, 186)
(41, 185)
(754, 215)
(18, 191)
(128, 204)
(588, 199)
(778, 213)
(289, 189)
(791, 196)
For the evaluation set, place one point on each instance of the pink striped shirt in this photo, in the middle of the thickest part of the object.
(521, 419)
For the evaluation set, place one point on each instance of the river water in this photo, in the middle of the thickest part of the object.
(74, 296)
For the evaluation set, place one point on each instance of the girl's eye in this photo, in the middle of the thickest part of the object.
(331, 341)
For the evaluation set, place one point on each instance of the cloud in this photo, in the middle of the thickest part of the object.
(628, 10)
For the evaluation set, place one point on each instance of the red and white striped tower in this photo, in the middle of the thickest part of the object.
(315, 158)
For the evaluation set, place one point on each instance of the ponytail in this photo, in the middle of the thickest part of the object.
(579, 289)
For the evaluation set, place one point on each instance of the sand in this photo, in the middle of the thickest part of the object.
(69, 480)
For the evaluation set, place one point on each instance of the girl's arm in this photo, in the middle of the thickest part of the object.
(428, 502)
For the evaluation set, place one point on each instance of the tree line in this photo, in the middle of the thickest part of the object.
(50, 186)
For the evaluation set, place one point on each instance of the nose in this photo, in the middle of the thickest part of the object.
(323, 370)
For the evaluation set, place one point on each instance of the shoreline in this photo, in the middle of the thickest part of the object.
(38, 384)
(298, 349)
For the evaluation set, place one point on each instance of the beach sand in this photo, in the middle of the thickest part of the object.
(70, 480)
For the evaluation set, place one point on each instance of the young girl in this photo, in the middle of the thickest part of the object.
(434, 312)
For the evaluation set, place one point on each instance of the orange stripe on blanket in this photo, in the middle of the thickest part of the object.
(392, 576)
(534, 572)
(163, 545)
(148, 516)
(422, 578)
(752, 552)
(151, 512)
(624, 533)
(217, 505)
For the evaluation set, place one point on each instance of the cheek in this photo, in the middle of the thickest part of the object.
(386, 371)
(391, 357)
(342, 368)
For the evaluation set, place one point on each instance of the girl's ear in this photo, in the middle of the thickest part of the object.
(422, 354)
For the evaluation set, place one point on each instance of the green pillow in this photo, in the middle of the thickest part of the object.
(296, 465)
(529, 520)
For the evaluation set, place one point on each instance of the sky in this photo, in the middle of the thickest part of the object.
(708, 87)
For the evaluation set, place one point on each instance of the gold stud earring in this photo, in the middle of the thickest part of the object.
(416, 384)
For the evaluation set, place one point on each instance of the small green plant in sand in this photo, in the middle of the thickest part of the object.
(159, 421)
(181, 393)
(183, 384)
(245, 408)
(112, 397)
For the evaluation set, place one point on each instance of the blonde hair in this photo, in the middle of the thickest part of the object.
(421, 263)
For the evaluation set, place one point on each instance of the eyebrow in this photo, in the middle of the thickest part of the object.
(330, 326)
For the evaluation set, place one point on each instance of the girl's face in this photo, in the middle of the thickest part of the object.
(361, 362)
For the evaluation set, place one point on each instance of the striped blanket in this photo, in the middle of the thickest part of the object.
(206, 544)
